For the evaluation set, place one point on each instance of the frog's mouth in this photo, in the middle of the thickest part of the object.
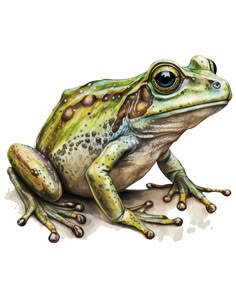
(175, 121)
(187, 109)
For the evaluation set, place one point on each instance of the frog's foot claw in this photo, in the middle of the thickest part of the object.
(44, 210)
(140, 212)
(184, 187)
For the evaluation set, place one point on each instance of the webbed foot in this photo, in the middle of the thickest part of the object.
(185, 188)
(44, 211)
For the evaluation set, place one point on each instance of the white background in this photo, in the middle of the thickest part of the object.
(47, 46)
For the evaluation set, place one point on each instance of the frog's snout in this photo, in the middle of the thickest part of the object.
(229, 91)
(223, 87)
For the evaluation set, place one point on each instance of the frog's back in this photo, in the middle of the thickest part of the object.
(84, 121)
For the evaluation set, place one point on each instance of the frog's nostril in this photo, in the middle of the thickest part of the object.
(216, 85)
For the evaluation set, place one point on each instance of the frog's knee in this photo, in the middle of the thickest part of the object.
(36, 171)
(12, 152)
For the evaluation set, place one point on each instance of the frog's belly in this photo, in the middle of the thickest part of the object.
(125, 173)
(128, 170)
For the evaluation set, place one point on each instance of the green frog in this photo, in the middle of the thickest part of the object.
(107, 134)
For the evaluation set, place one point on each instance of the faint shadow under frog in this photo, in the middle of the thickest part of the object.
(131, 197)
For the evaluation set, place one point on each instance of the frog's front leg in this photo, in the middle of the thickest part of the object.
(181, 184)
(39, 187)
(106, 194)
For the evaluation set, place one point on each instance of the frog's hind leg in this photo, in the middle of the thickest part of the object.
(31, 207)
(39, 188)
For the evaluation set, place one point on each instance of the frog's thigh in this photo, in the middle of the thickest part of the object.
(103, 189)
(36, 171)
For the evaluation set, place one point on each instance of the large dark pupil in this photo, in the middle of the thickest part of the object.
(165, 79)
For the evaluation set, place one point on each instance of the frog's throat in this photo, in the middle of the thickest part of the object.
(174, 122)
(185, 109)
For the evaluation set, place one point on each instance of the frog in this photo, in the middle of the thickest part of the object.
(107, 134)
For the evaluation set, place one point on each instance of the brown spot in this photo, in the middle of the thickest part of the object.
(145, 94)
(105, 126)
(87, 135)
(84, 145)
(34, 172)
(88, 100)
(141, 107)
(135, 105)
(98, 140)
(116, 125)
(94, 133)
(90, 148)
(87, 140)
(67, 114)
(111, 121)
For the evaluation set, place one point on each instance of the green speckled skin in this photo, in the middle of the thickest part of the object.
(107, 134)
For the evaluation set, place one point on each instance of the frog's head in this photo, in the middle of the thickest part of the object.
(181, 97)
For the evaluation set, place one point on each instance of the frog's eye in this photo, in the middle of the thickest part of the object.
(166, 79)
(213, 66)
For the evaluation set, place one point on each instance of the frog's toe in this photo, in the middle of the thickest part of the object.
(168, 197)
(158, 219)
(142, 207)
(81, 219)
(140, 212)
(157, 186)
(71, 205)
(225, 192)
